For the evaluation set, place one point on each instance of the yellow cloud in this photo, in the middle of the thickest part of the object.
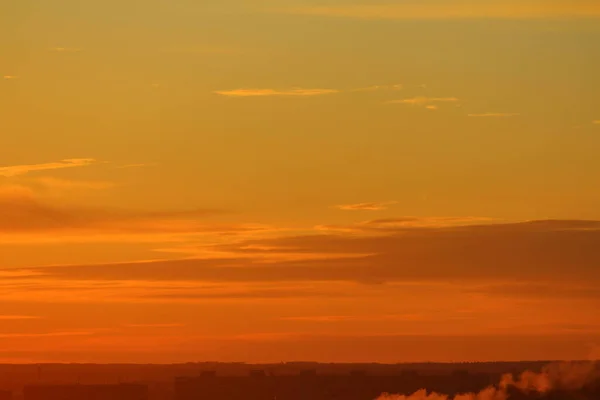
(273, 92)
(7, 77)
(465, 9)
(378, 226)
(378, 87)
(425, 101)
(298, 92)
(597, 122)
(15, 170)
(373, 206)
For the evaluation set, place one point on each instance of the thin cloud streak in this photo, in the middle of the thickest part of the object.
(21, 212)
(204, 50)
(82, 291)
(17, 317)
(137, 165)
(494, 115)
(453, 10)
(372, 206)
(392, 224)
(363, 318)
(299, 92)
(15, 170)
(378, 87)
(154, 325)
(425, 101)
(64, 184)
(66, 50)
(273, 92)
(43, 335)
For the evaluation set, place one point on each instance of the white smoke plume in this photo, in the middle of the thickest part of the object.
(557, 376)
(490, 393)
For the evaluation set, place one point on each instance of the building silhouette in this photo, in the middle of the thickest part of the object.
(356, 385)
(308, 385)
(122, 391)
(5, 395)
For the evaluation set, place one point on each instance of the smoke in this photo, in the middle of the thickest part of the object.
(418, 395)
(566, 376)
(557, 376)
(490, 393)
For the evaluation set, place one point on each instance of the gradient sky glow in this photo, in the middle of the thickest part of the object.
(327, 180)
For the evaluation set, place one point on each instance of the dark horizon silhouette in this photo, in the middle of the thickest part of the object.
(304, 380)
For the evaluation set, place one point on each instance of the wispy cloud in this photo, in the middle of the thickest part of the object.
(419, 279)
(378, 87)
(46, 334)
(66, 50)
(423, 101)
(597, 122)
(299, 92)
(537, 290)
(398, 253)
(138, 165)
(204, 50)
(22, 212)
(378, 226)
(372, 206)
(494, 115)
(64, 184)
(15, 170)
(359, 318)
(432, 222)
(273, 92)
(17, 317)
(466, 9)
(154, 325)
(8, 77)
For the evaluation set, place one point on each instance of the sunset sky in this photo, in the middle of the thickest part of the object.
(324, 180)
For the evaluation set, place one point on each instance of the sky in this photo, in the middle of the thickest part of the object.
(299, 180)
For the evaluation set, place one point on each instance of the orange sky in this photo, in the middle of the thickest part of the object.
(328, 180)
